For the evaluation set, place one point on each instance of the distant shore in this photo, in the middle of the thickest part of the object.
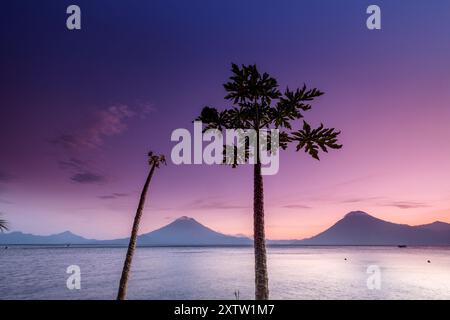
(64, 246)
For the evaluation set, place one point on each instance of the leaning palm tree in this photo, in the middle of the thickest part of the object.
(155, 161)
(3, 225)
(257, 103)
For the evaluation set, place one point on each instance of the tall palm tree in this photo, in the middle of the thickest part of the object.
(3, 225)
(257, 103)
(155, 161)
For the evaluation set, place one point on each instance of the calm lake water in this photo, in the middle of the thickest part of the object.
(216, 273)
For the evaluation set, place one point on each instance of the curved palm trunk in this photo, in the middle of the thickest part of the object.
(132, 245)
(261, 279)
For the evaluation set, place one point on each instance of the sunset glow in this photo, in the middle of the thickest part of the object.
(80, 111)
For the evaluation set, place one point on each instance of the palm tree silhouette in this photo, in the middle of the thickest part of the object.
(155, 161)
(259, 104)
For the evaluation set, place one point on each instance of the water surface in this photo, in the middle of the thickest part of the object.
(216, 273)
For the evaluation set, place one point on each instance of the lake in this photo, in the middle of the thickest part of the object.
(217, 272)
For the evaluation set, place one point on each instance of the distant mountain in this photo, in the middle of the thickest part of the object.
(356, 228)
(184, 231)
(360, 228)
(66, 237)
(436, 226)
(187, 231)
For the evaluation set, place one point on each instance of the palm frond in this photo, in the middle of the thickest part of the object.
(3, 225)
(311, 140)
(258, 104)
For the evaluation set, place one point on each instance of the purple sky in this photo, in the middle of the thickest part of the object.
(80, 109)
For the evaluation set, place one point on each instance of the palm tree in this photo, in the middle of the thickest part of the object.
(155, 162)
(3, 225)
(257, 103)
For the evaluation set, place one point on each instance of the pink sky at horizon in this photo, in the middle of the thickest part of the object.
(401, 183)
(75, 125)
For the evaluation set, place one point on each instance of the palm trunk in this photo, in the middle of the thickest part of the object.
(261, 279)
(132, 245)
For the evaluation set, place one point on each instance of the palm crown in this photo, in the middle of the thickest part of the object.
(3, 225)
(259, 104)
(155, 159)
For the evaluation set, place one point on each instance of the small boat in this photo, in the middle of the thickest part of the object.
(402, 246)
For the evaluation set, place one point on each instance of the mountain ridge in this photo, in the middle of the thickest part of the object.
(355, 228)
(360, 228)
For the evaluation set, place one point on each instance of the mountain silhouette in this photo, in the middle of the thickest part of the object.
(187, 231)
(360, 228)
(355, 228)
(437, 226)
(184, 231)
(66, 237)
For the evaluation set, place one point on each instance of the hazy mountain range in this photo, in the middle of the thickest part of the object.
(360, 228)
(355, 228)
(184, 231)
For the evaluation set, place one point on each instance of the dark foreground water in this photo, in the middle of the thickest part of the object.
(216, 273)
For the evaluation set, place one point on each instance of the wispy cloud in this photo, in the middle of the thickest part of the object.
(102, 124)
(405, 204)
(296, 206)
(72, 164)
(357, 200)
(92, 135)
(115, 195)
(214, 204)
(144, 109)
(87, 177)
(81, 171)
(352, 181)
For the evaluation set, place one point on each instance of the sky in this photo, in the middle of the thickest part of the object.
(80, 109)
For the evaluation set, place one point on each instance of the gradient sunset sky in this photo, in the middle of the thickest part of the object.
(80, 109)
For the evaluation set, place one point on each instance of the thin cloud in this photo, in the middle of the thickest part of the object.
(92, 135)
(81, 171)
(296, 206)
(144, 109)
(87, 177)
(113, 196)
(353, 200)
(73, 164)
(214, 204)
(406, 204)
(357, 200)
(352, 181)
(102, 124)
